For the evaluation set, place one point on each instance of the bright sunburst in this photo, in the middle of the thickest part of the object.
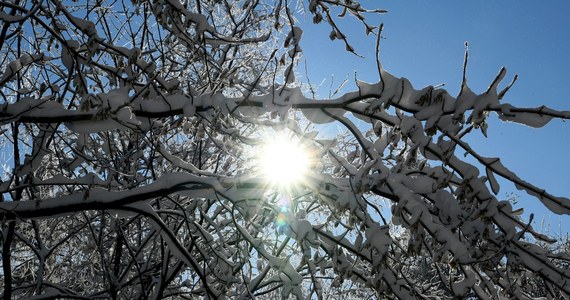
(283, 161)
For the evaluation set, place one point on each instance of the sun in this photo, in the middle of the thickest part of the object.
(283, 161)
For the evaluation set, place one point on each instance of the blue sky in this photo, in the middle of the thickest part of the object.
(424, 41)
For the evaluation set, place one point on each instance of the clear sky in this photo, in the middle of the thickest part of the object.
(424, 41)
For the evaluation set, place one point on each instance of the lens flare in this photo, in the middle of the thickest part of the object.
(281, 220)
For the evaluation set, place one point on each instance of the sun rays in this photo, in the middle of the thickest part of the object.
(283, 162)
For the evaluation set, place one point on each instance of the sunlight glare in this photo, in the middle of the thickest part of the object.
(283, 161)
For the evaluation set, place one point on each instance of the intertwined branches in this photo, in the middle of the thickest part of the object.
(129, 132)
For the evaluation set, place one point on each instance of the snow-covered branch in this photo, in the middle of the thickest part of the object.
(132, 137)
